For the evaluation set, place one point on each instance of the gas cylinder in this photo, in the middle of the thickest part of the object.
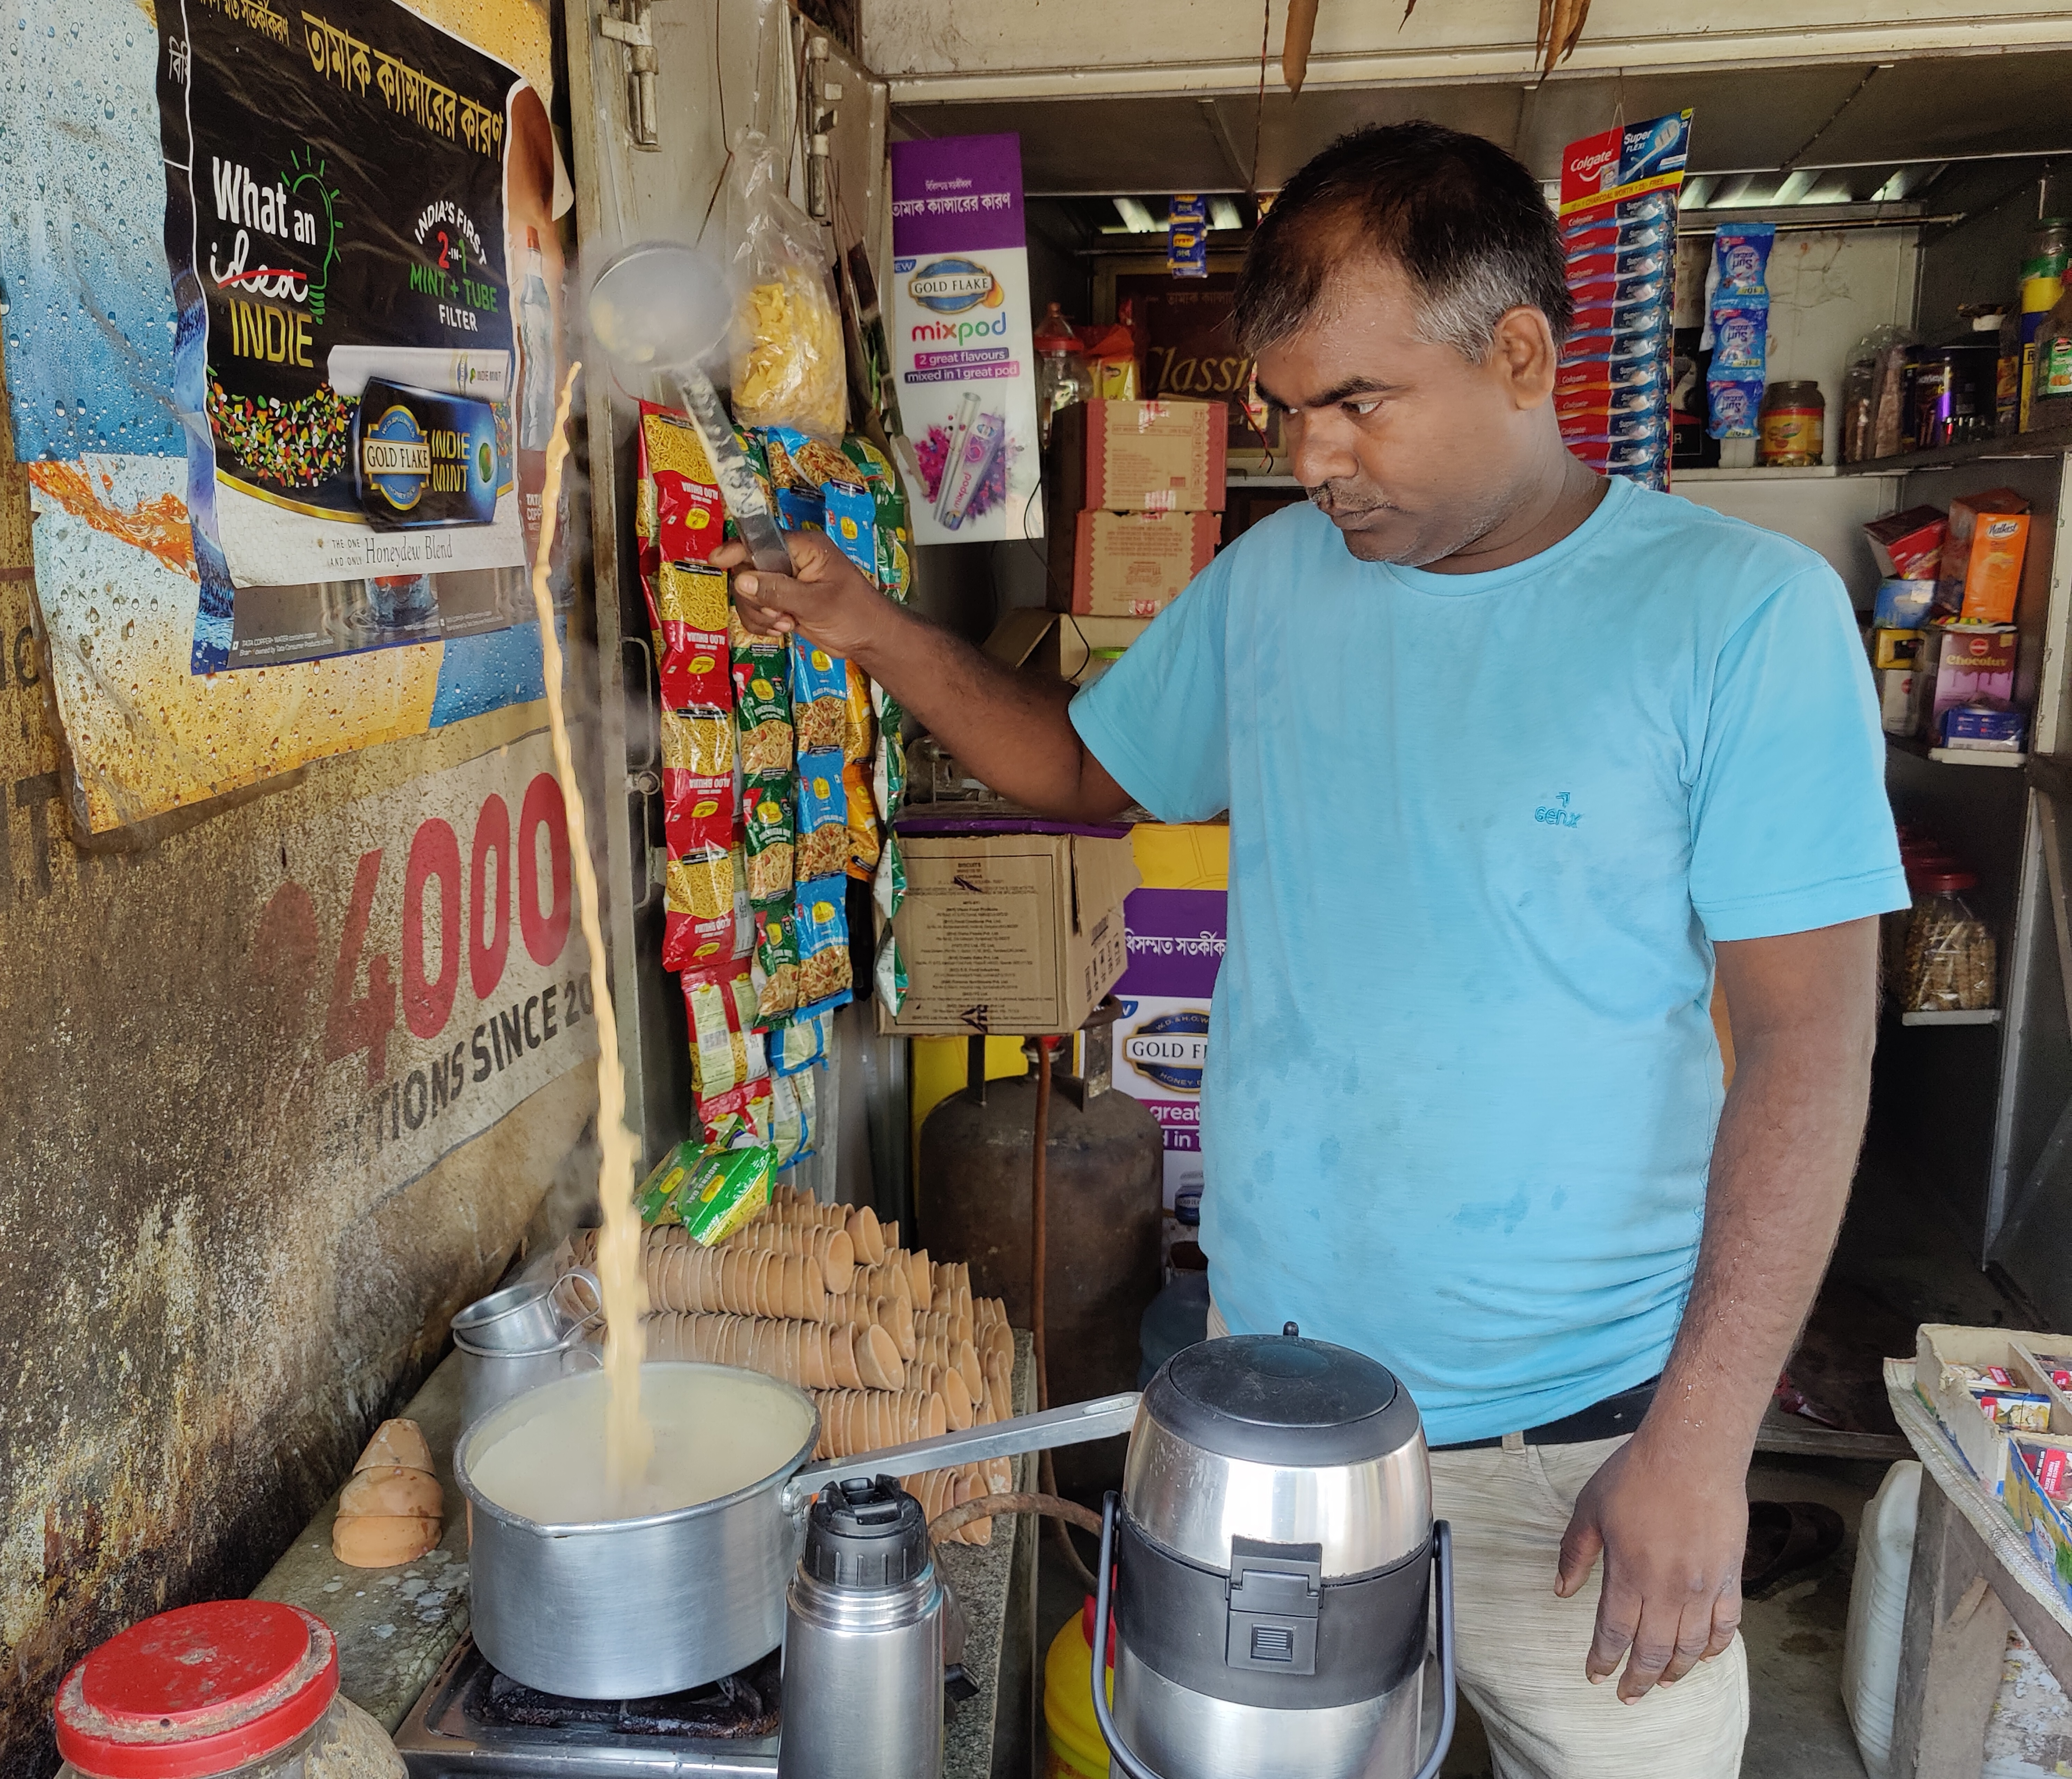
(1104, 1171)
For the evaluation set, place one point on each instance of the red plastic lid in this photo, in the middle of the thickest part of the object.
(1087, 1628)
(198, 1691)
(1945, 878)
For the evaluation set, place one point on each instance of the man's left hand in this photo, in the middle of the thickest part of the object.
(1671, 1523)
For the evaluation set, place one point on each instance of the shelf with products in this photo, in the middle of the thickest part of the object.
(2042, 442)
(1955, 756)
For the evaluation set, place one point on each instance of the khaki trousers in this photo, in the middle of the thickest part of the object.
(1521, 1650)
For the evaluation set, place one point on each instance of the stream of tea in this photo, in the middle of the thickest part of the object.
(629, 1441)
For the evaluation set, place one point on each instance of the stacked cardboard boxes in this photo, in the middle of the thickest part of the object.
(1136, 489)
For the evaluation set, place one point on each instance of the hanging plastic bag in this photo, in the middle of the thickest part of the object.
(789, 369)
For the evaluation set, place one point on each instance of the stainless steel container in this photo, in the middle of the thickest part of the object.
(527, 1317)
(488, 1379)
(1275, 1552)
(632, 1608)
(863, 1641)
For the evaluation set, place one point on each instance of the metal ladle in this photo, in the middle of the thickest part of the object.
(658, 310)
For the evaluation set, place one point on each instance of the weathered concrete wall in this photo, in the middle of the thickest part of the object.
(211, 1285)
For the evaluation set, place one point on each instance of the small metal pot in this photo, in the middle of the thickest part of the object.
(632, 1608)
(490, 1379)
(526, 1317)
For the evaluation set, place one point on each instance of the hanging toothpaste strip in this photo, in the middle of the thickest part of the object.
(820, 820)
(825, 979)
(1737, 327)
(1618, 226)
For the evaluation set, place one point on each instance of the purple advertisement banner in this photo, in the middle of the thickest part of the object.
(957, 194)
(1175, 939)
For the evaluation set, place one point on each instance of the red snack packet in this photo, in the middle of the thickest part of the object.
(697, 812)
(678, 515)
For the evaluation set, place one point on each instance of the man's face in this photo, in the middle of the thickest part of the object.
(1413, 452)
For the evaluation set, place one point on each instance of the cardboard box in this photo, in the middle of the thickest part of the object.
(1908, 545)
(2043, 1521)
(1020, 933)
(1961, 662)
(1892, 648)
(1139, 457)
(1984, 1447)
(1130, 565)
(1981, 572)
(1902, 605)
(1056, 643)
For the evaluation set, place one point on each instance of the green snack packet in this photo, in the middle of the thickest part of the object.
(774, 972)
(888, 883)
(889, 969)
(658, 1191)
(725, 1188)
(766, 813)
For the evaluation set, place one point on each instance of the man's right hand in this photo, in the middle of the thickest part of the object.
(825, 598)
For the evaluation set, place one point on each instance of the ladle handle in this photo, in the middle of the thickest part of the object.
(1074, 1425)
(738, 485)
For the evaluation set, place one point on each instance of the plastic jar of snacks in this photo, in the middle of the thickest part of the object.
(1951, 965)
(248, 1687)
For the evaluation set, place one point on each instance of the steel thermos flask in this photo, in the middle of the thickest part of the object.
(863, 1641)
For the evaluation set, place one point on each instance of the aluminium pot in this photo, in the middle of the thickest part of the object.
(636, 1607)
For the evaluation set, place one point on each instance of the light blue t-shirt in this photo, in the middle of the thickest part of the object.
(1463, 1080)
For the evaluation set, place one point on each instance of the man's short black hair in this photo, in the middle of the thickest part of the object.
(1465, 221)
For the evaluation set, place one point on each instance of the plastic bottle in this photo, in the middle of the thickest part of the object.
(1061, 367)
(2043, 269)
(535, 342)
(1877, 1611)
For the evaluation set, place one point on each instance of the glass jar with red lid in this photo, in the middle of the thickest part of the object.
(1952, 965)
(247, 1687)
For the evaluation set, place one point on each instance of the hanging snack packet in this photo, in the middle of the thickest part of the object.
(820, 696)
(788, 1125)
(699, 741)
(722, 1012)
(766, 813)
(678, 515)
(697, 813)
(890, 970)
(689, 608)
(821, 820)
(790, 367)
(775, 969)
(825, 979)
(739, 1118)
(657, 1198)
(852, 522)
(888, 883)
(864, 844)
(725, 1190)
(700, 927)
(857, 725)
(799, 1045)
(800, 510)
(762, 699)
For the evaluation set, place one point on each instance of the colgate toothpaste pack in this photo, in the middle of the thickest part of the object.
(1619, 233)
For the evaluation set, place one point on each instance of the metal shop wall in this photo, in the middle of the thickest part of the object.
(292, 1045)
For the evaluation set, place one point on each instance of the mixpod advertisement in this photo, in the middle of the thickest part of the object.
(966, 365)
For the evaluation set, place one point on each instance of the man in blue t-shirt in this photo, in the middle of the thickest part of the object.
(1515, 759)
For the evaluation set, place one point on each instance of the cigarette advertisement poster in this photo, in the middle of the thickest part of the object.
(350, 329)
(963, 353)
(1175, 939)
(229, 220)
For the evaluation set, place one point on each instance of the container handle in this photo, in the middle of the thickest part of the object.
(1104, 1717)
(1442, 1563)
(581, 1275)
(1103, 1418)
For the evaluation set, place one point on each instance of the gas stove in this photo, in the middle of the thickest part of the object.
(472, 1721)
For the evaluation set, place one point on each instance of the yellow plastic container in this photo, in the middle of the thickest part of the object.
(1075, 1747)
